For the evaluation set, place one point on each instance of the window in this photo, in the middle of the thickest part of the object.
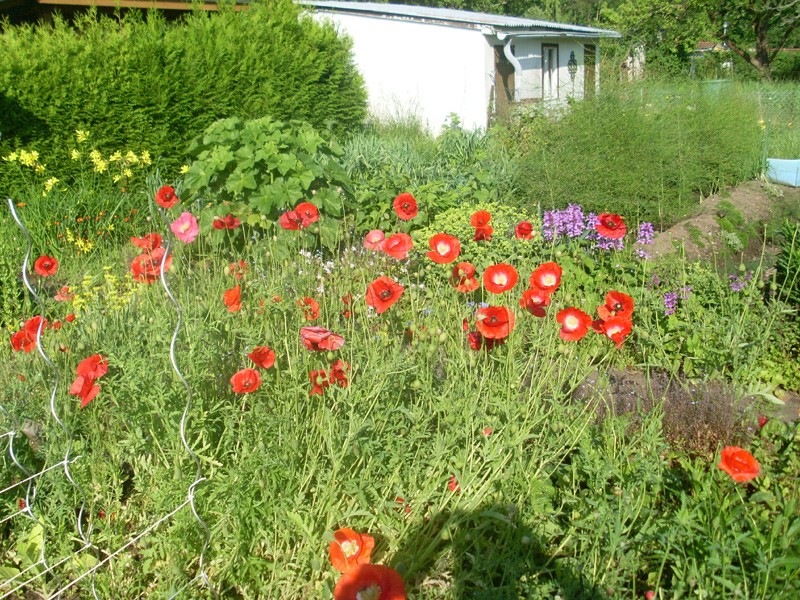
(549, 71)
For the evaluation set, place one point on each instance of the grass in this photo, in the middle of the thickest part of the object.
(583, 469)
(562, 495)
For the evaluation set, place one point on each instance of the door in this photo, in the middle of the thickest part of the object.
(549, 71)
(589, 70)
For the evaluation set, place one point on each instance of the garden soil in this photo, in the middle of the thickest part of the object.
(700, 237)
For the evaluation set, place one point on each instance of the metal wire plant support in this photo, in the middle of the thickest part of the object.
(85, 535)
(199, 478)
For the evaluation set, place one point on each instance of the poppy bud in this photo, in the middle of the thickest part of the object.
(329, 356)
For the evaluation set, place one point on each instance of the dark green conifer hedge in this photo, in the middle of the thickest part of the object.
(141, 82)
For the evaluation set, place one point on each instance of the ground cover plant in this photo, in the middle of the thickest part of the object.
(231, 406)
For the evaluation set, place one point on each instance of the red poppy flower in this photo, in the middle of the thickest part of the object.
(500, 278)
(146, 268)
(397, 245)
(617, 305)
(616, 329)
(310, 308)
(165, 197)
(338, 375)
(290, 220)
(149, 241)
(524, 230)
(546, 277)
(308, 213)
(319, 339)
(262, 356)
(233, 298)
(611, 226)
(480, 218)
(245, 381)
(739, 464)
(238, 269)
(452, 484)
(70, 318)
(350, 549)
(374, 240)
(55, 325)
(762, 420)
(534, 301)
(370, 582)
(23, 340)
(319, 381)
(487, 431)
(463, 277)
(226, 222)
(85, 388)
(405, 206)
(33, 325)
(92, 367)
(574, 324)
(382, 293)
(495, 322)
(45, 266)
(483, 234)
(444, 248)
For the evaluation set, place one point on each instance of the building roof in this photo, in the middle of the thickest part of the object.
(460, 18)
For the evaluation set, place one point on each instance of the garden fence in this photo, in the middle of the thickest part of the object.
(41, 562)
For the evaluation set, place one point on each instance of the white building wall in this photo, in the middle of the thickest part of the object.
(420, 69)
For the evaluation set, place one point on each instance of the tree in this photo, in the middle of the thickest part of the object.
(756, 30)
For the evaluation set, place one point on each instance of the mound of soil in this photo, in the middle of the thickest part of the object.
(701, 235)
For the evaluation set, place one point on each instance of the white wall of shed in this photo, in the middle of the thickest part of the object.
(420, 70)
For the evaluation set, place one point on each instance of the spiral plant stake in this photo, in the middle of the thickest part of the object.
(30, 495)
(198, 478)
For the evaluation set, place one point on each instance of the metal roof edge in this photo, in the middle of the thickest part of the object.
(459, 18)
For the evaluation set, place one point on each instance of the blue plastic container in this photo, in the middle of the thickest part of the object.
(783, 171)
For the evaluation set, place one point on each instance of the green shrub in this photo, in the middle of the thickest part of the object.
(646, 152)
(139, 81)
(787, 267)
(458, 167)
(269, 167)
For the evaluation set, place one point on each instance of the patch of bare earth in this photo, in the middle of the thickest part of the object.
(700, 236)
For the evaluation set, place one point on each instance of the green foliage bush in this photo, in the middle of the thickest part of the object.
(458, 167)
(268, 166)
(138, 80)
(646, 152)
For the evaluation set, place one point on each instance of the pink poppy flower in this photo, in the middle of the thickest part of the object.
(185, 228)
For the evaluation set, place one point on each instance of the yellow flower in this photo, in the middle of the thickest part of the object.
(81, 135)
(116, 178)
(11, 157)
(100, 166)
(762, 124)
(39, 168)
(127, 172)
(28, 159)
(95, 156)
(116, 157)
(184, 169)
(131, 158)
(145, 158)
(74, 154)
(48, 185)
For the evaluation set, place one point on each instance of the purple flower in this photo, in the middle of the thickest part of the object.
(685, 291)
(646, 233)
(670, 303)
(737, 284)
